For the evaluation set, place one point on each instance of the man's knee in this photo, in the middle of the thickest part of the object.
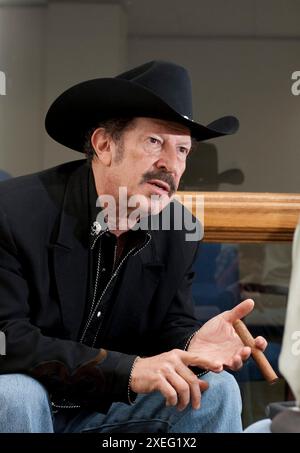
(226, 388)
(24, 406)
(21, 392)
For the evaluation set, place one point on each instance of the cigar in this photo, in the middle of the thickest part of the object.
(259, 357)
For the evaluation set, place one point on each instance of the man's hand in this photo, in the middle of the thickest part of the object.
(169, 374)
(215, 346)
(218, 341)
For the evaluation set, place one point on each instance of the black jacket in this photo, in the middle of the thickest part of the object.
(43, 289)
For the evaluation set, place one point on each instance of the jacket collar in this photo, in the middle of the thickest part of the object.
(74, 221)
(70, 251)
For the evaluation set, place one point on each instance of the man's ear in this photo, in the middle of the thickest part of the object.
(102, 144)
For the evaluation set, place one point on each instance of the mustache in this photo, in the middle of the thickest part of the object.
(162, 176)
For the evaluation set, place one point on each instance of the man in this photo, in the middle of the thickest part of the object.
(94, 308)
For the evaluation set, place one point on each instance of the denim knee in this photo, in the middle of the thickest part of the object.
(16, 388)
(220, 410)
(226, 387)
(24, 405)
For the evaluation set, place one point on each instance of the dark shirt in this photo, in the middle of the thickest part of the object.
(107, 254)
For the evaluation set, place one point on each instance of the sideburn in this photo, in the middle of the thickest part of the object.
(119, 152)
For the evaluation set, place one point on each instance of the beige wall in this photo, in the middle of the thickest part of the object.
(250, 78)
(21, 56)
(84, 41)
(240, 54)
(44, 50)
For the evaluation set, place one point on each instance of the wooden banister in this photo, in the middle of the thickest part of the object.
(247, 217)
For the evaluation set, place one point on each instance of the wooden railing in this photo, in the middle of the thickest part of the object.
(248, 217)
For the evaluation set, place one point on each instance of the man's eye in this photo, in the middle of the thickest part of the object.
(154, 140)
(184, 150)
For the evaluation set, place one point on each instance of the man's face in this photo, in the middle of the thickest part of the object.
(149, 160)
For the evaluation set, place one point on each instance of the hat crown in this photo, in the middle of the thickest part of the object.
(168, 81)
(156, 89)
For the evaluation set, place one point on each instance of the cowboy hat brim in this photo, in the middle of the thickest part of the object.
(86, 104)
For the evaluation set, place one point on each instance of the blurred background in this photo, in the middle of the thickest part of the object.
(241, 56)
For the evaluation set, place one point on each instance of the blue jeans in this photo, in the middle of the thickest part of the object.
(25, 407)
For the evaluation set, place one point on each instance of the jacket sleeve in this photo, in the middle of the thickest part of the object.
(180, 322)
(67, 368)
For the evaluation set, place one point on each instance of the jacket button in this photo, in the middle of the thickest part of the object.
(98, 314)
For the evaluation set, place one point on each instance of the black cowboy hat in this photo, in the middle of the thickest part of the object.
(157, 89)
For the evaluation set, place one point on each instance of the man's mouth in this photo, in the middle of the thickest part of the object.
(162, 186)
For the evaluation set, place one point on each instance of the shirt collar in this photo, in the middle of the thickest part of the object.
(94, 210)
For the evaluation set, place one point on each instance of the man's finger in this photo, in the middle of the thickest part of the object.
(261, 343)
(236, 363)
(204, 385)
(193, 359)
(240, 311)
(181, 387)
(193, 381)
(245, 353)
(168, 391)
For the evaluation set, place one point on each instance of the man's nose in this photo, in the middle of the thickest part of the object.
(168, 160)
